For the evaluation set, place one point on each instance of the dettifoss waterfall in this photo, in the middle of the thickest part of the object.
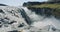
(14, 19)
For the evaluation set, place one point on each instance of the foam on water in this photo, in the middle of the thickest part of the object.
(42, 21)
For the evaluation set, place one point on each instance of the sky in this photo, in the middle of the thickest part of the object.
(17, 2)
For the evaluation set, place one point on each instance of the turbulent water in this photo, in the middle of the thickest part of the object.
(24, 20)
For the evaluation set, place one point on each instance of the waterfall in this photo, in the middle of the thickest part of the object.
(25, 20)
(41, 21)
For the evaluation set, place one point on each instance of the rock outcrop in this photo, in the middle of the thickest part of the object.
(44, 8)
(42, 11)
(46, 11)
(3, 5)
(26, 4)
(11, 18)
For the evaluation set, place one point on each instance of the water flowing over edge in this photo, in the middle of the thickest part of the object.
(32, 21)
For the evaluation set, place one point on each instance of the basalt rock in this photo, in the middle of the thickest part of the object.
(14, 31)
(42, 11)
(3, 5)
(46, 11)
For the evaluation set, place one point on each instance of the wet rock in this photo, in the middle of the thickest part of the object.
(54, 29)
(42, 11)
(2, 20)
(6, 21)
(0, 26)
(1, 11)
(5, 25)
(3, 5)
(26, 17)
(12, 22)
(21, 25)
(14, 31)
(6, 18)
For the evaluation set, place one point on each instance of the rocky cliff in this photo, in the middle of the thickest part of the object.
(45, 8)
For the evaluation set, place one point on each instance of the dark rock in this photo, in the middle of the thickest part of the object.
(6, 18)
(12, 22)
(2, 20)
(45, 11)
(3, 5)
(54, 29)
(5, 21)
(1, 11)
(0, 26)
(31, 3)
(42, 11)
(5, 25)
(26, 17)
(56, 13)
(21, 25)
(27, 4)
(14, 31)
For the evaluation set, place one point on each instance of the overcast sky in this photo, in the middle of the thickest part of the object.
(16, 2)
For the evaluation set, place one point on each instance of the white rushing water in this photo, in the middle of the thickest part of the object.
(39, 23)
